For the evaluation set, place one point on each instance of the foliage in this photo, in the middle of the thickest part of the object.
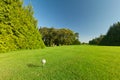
(52, 36)
(18, 27)
(63, 63)
(97, 40)
(112, 37)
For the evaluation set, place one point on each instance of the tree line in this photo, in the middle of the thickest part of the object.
(18, 29)
(63, 36)
(112, 38)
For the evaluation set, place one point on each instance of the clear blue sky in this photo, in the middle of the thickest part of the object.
(89, 18)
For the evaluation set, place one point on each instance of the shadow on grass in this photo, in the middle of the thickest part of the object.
(33, 65)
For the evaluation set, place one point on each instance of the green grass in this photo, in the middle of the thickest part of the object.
(63, 63)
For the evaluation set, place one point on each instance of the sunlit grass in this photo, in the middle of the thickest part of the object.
(63, 63)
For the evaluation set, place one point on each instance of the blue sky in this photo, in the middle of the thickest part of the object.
(90, 18)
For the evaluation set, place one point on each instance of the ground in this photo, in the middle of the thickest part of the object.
(63, 63)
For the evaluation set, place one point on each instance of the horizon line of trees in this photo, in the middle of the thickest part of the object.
(57, 37)
(18, 30)
(112, 38)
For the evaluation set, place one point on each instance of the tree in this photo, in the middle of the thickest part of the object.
(52, 36)
(96, 41)
(18, 27)
(112, 37)
(76, 41)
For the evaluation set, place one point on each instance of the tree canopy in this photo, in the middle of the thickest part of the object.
(18, 27)
(97, 40)
(63, 36)
(112, 38)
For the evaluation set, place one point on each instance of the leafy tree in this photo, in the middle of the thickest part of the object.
(96, 41)
(112, 37)
(52, 36)
(18, 27)
(76, 41)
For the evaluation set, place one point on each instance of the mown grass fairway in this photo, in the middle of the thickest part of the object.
(63, 63)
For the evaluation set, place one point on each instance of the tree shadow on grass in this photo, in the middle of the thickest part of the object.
(33, 65)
